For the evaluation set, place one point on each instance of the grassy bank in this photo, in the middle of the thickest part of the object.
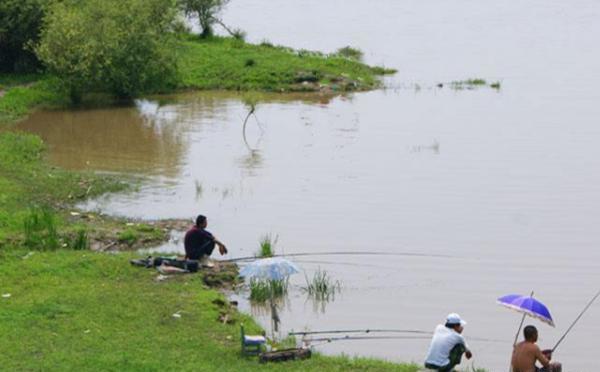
(227, 63)
(21, 93)
(27, 184)
(91, 311)
(215, 63)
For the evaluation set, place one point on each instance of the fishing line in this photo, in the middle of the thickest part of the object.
(576, 320)
(364, 253)
(342, 263)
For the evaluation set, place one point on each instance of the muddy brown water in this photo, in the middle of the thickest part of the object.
(504, 182)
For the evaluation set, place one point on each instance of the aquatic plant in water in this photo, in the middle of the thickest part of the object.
(351, 53)
(267, 245)
(472, 84)
(321, 286)
(262, 290)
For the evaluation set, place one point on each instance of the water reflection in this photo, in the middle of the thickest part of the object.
(271, 309)
(138, 139)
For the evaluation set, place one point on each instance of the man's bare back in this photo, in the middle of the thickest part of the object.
(525, 354)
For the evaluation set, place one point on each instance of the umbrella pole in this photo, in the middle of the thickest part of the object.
(517, 335)
(520, 326)
(519, 331)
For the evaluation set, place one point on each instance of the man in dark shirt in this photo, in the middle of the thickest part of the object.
(199, 243)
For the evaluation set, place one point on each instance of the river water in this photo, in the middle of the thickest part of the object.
(495, 190)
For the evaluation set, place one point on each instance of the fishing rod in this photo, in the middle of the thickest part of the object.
(410, 331)
(576, 320)
(363, 253)
(364, 338)
(359, 331)
(353, 338)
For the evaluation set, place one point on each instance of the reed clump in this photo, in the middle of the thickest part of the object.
(322, 286)
(267, 245)
(79, 241)
(350, 53)
(262, 290)
(39, 230)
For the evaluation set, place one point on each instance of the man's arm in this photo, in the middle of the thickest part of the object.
(468, 352)
(222, 248)
(542, 358)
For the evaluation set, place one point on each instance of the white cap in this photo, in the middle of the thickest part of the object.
(454, 318)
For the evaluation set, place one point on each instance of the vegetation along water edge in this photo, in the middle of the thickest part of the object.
(69, 303)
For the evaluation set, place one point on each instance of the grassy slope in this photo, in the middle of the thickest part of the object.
(21, 93)
(226, 63)
(26, 181)
(89, 311)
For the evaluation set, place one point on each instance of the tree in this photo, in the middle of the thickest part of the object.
(20, 23)
(123, 47)
(206, 11)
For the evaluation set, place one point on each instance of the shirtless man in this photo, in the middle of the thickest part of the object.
(527, 353)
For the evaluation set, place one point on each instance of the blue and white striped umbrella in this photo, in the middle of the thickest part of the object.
(274, 268)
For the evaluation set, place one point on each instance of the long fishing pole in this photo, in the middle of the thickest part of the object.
(367, 331)
(576, 320)
(359, 331)
(355, 338)
(363, 253)
(350, 338)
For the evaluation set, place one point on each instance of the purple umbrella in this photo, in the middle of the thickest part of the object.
(527, 305)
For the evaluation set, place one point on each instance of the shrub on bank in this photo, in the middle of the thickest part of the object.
(123, 47)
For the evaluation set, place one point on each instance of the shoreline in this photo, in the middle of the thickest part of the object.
(46, 195)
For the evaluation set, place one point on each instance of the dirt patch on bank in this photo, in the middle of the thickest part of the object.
(106, 233)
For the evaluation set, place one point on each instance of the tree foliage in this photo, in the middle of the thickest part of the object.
(205, 10)
(123, 47)
(20, 23)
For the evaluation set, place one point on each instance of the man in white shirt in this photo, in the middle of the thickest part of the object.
(447, 345)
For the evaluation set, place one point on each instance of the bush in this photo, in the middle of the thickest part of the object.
(122, 47)
(20, 24)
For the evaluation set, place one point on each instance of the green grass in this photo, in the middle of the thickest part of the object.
(39, 230)
(22, 93)
(267, 245)
(27, 184)
(227, 63)
(10, 80)
(84, 311)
